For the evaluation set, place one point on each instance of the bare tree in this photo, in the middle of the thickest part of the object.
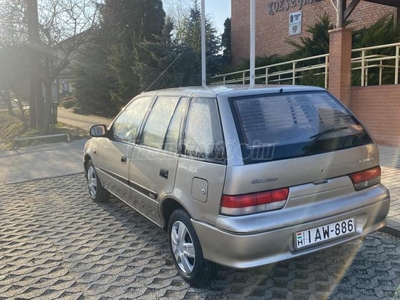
(13, 30)
(63, 25)
(178, 11)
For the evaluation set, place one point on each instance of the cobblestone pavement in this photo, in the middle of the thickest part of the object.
(55, 243)
(390, 164)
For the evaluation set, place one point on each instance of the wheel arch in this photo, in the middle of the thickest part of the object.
(85, 161)
(168, 206)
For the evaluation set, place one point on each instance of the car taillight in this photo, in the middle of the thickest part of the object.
(254, 203)
(366, 178)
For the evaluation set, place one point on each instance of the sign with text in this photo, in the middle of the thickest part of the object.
(275, 6)
(295, 23)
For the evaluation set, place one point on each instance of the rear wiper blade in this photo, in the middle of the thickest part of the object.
(328, 131)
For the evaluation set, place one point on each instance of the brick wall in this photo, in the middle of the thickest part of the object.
(340, 63)
(272, 31)
(378, 107)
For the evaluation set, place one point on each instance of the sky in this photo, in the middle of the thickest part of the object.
(218, 10)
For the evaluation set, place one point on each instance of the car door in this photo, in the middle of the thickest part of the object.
(115, 151)
(154, 159)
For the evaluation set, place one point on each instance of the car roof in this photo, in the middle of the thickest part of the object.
(232, 90)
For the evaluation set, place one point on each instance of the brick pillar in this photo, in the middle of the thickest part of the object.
(340, 64)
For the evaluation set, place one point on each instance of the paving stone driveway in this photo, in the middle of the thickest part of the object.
(390, 164)
(56, 243)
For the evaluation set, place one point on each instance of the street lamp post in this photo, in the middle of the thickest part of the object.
(203, 44)
(252, 43)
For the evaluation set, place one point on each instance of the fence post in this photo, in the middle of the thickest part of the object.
(294, 74)
(326, 70)
(396, 75)
(244, 77)
(362, 68)
(380, 72)
(266, 76)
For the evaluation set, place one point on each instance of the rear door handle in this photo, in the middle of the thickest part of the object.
(123, 159)
(164, 173)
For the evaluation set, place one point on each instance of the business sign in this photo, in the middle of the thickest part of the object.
(295, 23)
(275, 6)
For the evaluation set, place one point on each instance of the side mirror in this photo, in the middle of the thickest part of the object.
(98, 131)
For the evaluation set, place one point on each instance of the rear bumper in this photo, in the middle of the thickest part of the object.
(255, 249)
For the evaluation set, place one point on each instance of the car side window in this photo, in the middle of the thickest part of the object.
(172, 137)
(127, 124)
(157, 123)
(203, 134)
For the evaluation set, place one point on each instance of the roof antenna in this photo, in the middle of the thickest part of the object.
(203, 44)
(252, 43)
(166, 69)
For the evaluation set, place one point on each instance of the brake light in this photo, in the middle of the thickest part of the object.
(254, 203)
(366, 178)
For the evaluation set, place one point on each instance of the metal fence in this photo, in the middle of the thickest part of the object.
(375, 65)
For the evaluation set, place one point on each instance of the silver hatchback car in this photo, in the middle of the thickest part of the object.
(241, 177)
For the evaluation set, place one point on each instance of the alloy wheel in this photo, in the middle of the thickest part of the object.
(182, 247)
(92, 181)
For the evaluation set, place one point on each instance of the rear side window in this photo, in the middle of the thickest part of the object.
(127, 124)
(288, 125)
(203, 134)
(173, 133)
(157, 123)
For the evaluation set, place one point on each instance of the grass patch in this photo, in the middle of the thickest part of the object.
(12, 128)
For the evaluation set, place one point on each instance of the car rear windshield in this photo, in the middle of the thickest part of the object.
(288, 125)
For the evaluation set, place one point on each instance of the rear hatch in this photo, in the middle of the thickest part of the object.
(297, 148)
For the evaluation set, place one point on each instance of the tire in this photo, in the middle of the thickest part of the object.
(97, 192)
(189, 261)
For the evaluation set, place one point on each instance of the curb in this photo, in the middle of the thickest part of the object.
(391, 230)
(52, 136)
(44, 137)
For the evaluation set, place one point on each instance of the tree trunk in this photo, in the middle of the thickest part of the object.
(36, 103)
(48, 104)
(32, 103)
(40, 109)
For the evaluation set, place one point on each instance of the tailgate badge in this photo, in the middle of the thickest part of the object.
(366, 160)
(263, 180)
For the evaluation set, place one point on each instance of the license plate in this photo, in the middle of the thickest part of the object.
(323, 233)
